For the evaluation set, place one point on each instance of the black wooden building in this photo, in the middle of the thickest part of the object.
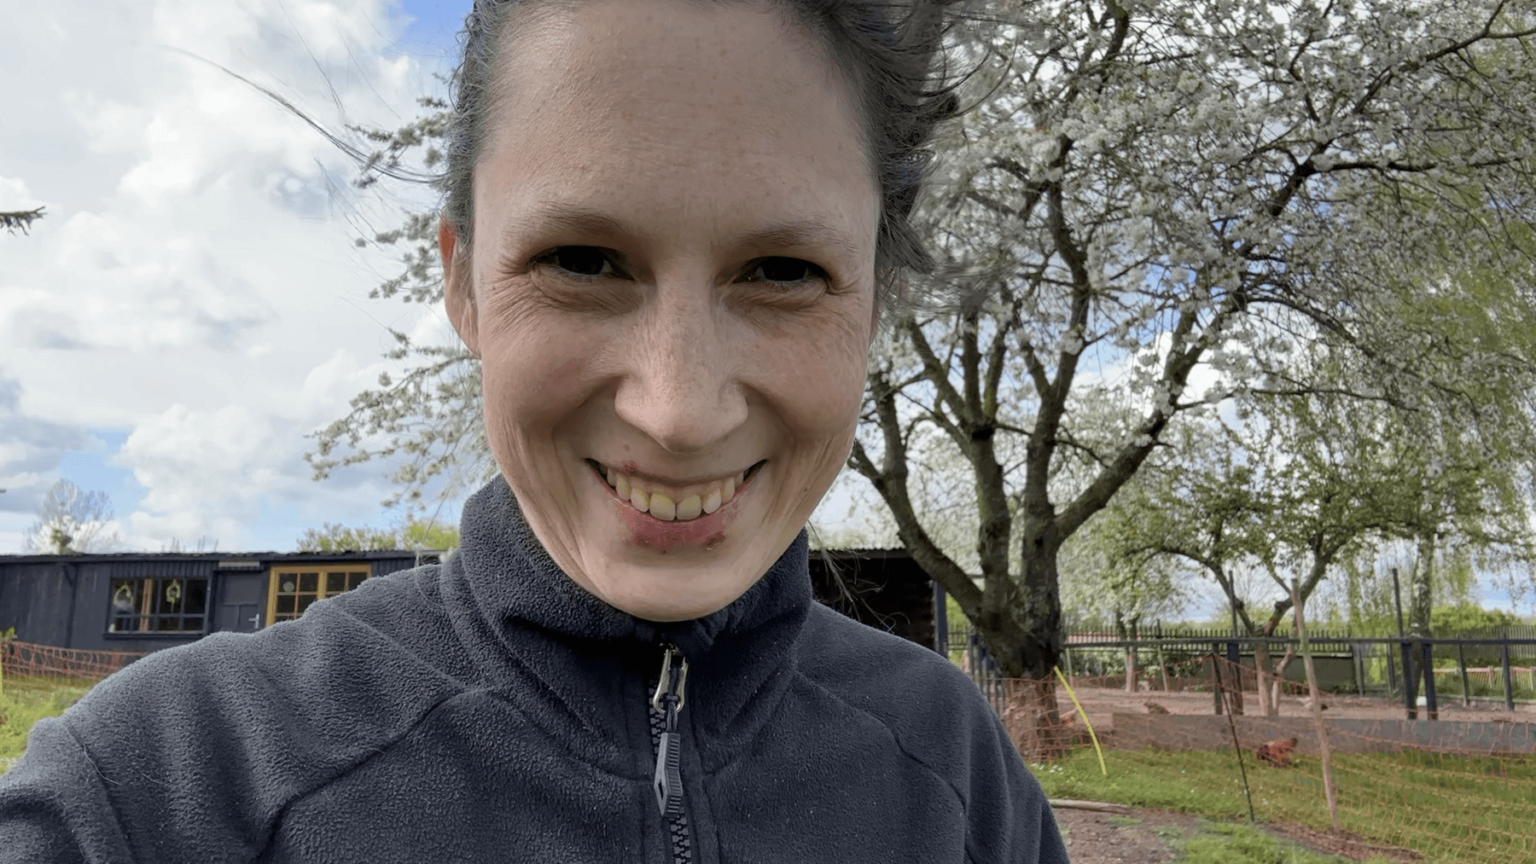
(145, 601)
(883, 588)
(141, 602)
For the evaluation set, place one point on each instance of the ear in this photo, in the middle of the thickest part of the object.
(458, 287)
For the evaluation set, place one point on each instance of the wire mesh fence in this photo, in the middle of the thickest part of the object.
(25, 659)
(1194, 732)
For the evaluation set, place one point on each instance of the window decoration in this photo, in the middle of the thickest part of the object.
(158, 604)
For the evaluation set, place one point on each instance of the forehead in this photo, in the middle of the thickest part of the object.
(675, 113)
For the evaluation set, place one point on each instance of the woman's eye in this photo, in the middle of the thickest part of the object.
(579, 262)
(586, 263)
(792, 271)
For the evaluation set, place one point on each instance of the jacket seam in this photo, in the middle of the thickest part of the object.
(477, 688)
(278, 815)
(102, 781)
(970, 856)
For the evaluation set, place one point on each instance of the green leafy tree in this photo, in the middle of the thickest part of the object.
(1470, 617)
(412, 534)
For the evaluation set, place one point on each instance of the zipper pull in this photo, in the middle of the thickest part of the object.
(668, 700)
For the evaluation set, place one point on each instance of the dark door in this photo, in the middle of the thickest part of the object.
(239, 617)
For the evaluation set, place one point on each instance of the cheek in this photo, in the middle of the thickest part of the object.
(822, 385)
(530, 384)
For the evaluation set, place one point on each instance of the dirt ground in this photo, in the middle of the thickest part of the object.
(1101, 704)
(1148, 836)
(1103, 838)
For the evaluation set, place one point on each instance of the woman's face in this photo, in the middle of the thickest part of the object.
(671, 291)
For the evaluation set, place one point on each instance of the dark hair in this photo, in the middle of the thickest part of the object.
(887, 65)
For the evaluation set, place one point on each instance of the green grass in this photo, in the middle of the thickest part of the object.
(1220, 843)
(26, 701)
(1451, 810)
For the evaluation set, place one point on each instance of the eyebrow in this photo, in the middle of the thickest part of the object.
(788, 233)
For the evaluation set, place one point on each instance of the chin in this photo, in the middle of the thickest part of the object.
(665, 592)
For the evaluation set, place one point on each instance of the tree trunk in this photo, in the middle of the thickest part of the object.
(1279, 680)
(1270, 680)
(1423, 586)
(1033, 723)
(1261, 674)
(1027, 646)
(1126, 632)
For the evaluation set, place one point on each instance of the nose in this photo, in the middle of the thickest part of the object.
(682, 382)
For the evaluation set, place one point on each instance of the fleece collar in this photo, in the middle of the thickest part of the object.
(544, 620)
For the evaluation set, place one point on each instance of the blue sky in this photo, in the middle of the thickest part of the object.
(152, 346)
(434, 26)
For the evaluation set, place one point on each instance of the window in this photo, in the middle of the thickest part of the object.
(158, 604)
(293, 589)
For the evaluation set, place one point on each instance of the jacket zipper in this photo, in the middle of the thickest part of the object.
(667, 742)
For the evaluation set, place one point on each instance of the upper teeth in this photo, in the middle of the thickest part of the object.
(673, 504)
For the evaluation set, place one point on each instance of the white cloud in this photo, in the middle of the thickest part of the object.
(14, 195)
(194, 278)
(29, 448)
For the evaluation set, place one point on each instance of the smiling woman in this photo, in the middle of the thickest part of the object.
(641, 297)
(669, 232)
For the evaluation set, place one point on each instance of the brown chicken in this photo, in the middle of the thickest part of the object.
(1277, 752)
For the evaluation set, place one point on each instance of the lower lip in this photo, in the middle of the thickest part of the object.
(648, 532)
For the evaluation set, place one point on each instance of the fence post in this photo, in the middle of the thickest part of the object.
(940, 622)
(1509, 684)
(1461, 666)
(1162, 663)
(1236, 659)
(1410, 681)
(1216, 677)
(1429, 681)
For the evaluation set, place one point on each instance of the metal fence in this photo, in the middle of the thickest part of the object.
(1497, 666)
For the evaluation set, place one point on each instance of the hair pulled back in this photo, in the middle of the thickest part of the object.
(886, 63)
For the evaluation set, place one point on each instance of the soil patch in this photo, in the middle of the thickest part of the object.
(1101, 703)
(1146, 835)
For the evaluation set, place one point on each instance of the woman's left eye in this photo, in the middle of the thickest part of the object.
(792, 271)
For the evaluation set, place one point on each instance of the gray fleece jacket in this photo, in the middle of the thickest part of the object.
(491, 710)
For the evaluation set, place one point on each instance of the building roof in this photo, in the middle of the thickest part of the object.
(223, 559)
(864, 552)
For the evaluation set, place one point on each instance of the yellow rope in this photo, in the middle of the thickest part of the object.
(1083, 714)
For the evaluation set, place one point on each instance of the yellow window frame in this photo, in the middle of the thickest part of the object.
(351, 573)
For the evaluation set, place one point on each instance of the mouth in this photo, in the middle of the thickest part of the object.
(669, 503)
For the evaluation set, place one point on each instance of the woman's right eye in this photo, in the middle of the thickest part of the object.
(581, 263)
